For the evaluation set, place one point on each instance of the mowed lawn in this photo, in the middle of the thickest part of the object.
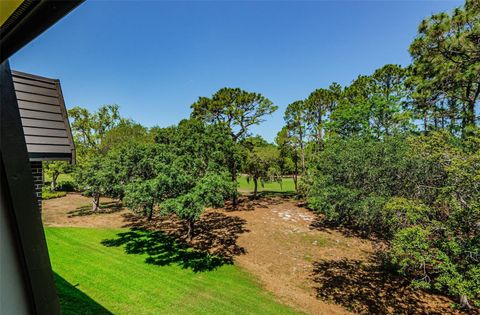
(287, 185)
(92, 278)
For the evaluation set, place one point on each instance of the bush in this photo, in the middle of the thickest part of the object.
(351, 180)
(421, 194)
(68, 186)
(48, 194)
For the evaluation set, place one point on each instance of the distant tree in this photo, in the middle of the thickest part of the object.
(262, 162)
(54, 169)
(235, 109)
(318, 105)
(126, 131)
(289, 156)
(296, 123)
(446, 59)
(373, 105)
(90, 128)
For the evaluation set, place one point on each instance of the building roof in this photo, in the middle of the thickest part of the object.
(44, 118)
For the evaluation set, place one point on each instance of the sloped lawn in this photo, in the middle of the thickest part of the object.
(95, 277)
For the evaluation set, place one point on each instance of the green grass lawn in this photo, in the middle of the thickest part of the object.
(93, 278)
(61, 178)
(287, 185)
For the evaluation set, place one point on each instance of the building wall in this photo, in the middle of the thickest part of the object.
(37, 181)
(14, 296)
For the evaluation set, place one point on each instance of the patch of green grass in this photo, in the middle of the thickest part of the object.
(61, 178)
(319, 241)
(48, 194)
(287, 186)
(93, 278)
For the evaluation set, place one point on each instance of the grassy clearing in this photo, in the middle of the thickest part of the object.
(95, 279)
(61, 178)
(287, 185)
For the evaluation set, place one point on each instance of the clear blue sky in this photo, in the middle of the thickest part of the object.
(155, 58)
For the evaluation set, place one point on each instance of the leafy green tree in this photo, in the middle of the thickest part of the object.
(54, 169)
(89, 131)
(90, 128)
(146, 175)
(151, 174)
(296, 123)
(373, 105)
(318, 105)
(209, 191)
(446, 59)
(236, 110)
(289, 156)
(96, 177)
(125, 132)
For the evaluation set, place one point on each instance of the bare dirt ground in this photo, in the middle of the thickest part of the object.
(76, 210)
(315, 269)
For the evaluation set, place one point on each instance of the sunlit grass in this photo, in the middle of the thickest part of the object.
(94, 278)
(286, 186)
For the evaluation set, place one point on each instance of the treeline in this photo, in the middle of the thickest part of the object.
(396, 155)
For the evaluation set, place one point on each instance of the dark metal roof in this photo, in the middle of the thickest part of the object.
(44, 117)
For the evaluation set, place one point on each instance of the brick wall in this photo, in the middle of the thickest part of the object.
(37, 181)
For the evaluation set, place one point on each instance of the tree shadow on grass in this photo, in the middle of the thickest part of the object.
(163, 250)
(105, 208)
(73, 301)
(164, 240)
(366, 288)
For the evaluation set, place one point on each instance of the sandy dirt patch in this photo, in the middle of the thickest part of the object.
(75, 210)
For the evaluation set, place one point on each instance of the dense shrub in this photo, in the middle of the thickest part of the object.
(421, 194)
(47, 193)
(351, 179)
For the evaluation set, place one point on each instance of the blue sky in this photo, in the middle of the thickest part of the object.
(155, 58)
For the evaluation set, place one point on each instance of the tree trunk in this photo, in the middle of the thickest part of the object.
(150, 215)
(302, 152)
(464, 302)
(191, 229)
(470, 114)
(425, 121)
(53, 184)
(255, 187)
(320, 131)
(452, 113)
(96, 201)
(234, 180)
(295, 175)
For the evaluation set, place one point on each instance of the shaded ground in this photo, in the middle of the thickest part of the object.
(315, 268)
(75, 210)
(363, 287)
(74, 301)
(215, 233)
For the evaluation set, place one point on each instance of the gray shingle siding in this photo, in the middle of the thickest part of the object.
(44, 118)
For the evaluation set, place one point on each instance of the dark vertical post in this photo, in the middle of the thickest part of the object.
(22, 205)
